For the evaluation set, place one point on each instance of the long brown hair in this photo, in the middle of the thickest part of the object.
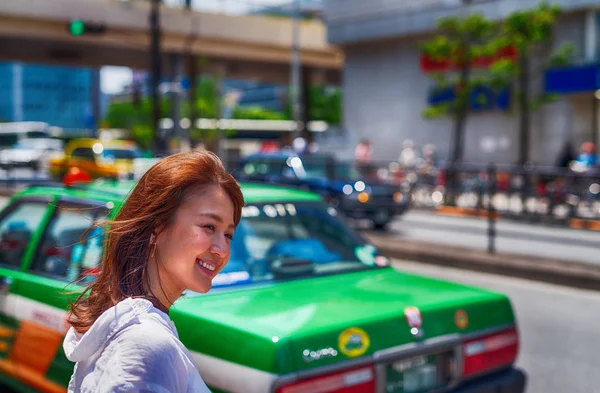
(150, 205)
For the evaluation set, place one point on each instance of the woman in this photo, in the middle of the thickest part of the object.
(171, 235)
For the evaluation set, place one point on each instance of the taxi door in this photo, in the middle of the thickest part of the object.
(21, 225)
(61, 258)
(85, 159)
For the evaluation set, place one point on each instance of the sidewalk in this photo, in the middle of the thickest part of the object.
(563, 272)
(521, 238)
(453, 211)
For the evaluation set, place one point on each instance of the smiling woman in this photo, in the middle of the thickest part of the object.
(172, 234)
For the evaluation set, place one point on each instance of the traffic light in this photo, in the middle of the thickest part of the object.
(78, 27)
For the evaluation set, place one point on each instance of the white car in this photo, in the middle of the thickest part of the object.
(31, 153)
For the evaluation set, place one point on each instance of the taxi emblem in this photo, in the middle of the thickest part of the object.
(413, 317)
(354, 342)
(461, 319)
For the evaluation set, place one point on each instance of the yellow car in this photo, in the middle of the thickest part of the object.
(88, 158)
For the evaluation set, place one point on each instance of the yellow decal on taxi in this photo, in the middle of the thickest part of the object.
(461, 319)
(354, 342)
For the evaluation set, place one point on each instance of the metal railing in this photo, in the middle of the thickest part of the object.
(535, 194)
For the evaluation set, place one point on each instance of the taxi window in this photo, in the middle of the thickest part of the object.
(293, 240)
(62, 252)
(84, 153)
(16, 230)
(263, 167)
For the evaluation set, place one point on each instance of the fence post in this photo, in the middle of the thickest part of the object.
(491, 189)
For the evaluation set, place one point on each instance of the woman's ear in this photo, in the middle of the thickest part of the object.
(152, 238)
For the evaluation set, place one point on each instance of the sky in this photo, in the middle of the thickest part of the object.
(113, 79)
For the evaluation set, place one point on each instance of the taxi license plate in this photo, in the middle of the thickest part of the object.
(413, 375)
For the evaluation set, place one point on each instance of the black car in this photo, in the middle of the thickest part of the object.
(355, 192)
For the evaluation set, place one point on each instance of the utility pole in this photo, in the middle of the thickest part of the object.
(296, 79)
(192, 76)
(156, 76)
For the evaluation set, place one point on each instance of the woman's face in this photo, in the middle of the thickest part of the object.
(193, 248)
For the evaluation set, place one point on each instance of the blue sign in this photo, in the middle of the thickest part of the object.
(482, 98)
(574, 79)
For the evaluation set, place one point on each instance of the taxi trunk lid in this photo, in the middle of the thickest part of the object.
(314, 322)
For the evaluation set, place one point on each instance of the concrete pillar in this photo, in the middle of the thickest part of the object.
(591, 37)
(218, 145)
(192, 97)
(591, 56)
(305, 112)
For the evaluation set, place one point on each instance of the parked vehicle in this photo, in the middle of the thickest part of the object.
(95, 158)
(305, 304)
(33, 153)
(14, 132)
(354, 191)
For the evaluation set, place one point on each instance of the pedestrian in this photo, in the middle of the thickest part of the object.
(172, 234)
(408, 155)
(565, 156)
(363, 152)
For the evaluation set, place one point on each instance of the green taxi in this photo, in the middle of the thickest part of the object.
(305, 304)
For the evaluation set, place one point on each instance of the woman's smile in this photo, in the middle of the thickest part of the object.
(208, 267)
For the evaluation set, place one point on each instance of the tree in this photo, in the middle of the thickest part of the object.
(136, 118)
(531, 31)
(325, 103)
(459, 42)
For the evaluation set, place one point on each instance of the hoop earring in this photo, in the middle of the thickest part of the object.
(153, 250)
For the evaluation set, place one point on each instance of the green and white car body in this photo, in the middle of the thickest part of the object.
(304, 306)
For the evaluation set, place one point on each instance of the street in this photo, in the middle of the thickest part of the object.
(560, 338)
(512, 237)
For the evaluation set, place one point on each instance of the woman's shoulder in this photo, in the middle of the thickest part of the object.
(147, 354)
(150, 332)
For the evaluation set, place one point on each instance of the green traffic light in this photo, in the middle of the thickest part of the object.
(77, 27)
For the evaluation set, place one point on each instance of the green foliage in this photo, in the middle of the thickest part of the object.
(436, 111)
(143, 135)
(257, 113)
(529, 27)
(532, 32)
(562, 56)
(325, 103)
(459, 41)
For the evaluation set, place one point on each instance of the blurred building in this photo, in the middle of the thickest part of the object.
(60, 96)
(251, 92)
(308, 9)
(386, 86)
(256, 93)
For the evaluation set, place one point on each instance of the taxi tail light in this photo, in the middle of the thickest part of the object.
(360, 380)
(490, 352)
